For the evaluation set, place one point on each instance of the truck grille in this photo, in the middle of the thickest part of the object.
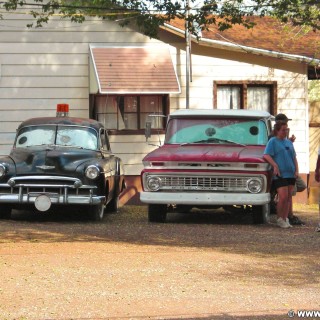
(218, 183)
(205, 183)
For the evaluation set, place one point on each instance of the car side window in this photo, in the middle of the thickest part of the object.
(104, 141)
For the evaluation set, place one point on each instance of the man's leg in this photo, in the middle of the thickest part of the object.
(283, 205)
(293, 219)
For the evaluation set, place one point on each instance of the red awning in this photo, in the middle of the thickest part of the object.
(134, 70)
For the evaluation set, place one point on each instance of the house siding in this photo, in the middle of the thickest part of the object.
(43, 67)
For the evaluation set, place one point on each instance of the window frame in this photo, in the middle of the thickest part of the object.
(243, 85)
(165, 105)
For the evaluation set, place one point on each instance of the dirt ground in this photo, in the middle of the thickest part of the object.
(201, 265)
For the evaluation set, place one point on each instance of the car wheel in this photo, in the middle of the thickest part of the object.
(113, 205)
(5, 212)
(157, 212)
(261, 214)
(96, 212)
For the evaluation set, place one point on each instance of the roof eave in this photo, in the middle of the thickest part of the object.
(240, 48)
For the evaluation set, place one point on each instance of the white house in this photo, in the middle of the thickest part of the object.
(118, 76)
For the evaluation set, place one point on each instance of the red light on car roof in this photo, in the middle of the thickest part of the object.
(62, 110)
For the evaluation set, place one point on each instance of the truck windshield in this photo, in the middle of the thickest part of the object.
(71, 136)
(219, 130)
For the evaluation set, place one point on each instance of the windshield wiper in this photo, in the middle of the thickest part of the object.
(210, 140)
(38, 145)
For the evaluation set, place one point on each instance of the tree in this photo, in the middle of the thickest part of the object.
(150, 14)
(314, 90)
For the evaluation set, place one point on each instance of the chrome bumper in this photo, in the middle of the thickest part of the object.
(59, 189)
(204, 198)
(55, 199)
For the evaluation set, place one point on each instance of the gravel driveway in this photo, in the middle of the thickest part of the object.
(201, 265)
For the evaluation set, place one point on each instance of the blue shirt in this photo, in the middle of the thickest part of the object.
(283, 154)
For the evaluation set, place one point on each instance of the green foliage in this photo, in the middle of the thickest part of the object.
(314, 90)
(150, 14)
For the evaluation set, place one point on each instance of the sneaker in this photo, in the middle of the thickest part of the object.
(282, 223)
(288, 223)
(296, 221)
(318, 228)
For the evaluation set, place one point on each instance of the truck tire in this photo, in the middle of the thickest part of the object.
(157, 212)
(261, 214)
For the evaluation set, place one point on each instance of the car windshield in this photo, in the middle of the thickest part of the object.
(71, 136)
(219, 130)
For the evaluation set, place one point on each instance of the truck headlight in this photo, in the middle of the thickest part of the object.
(2, 170)
(92, 172)
(254, 185)
(153, 183)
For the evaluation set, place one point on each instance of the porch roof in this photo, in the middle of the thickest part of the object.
(133, 70)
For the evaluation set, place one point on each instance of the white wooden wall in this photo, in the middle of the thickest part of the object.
(42, 67)
(211, 64)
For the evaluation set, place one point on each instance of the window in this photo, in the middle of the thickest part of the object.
(254, 95)
(129, 112)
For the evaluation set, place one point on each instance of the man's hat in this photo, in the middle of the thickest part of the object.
(281, 117)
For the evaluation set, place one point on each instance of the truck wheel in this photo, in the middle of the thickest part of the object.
(5, 212)
(261, 214)
(157, 213)
(96, 212)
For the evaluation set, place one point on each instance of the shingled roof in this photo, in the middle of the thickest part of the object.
(268, 37)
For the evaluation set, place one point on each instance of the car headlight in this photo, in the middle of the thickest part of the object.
(2, 170)
(92, 172)
(254, 185)
(153, 183)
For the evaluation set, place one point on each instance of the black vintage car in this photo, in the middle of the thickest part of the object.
(61, 161)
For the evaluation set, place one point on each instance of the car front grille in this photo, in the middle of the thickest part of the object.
(61, 186)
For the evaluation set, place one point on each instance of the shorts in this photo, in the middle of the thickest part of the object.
(283, 182)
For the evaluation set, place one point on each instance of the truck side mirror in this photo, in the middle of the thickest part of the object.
(147, 132)
(153, 120)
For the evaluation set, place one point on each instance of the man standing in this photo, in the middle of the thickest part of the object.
(280, 153)
(300, 184)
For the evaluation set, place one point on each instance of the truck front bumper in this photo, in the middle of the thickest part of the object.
(204, 198)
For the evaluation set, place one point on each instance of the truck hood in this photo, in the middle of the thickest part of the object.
(207, 153)
(51, 160)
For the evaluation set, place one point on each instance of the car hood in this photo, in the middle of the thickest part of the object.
(51, 160)
(209, 153)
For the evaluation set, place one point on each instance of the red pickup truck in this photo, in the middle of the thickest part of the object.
(210, 159)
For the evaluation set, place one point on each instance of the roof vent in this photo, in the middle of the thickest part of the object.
(62, 110)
